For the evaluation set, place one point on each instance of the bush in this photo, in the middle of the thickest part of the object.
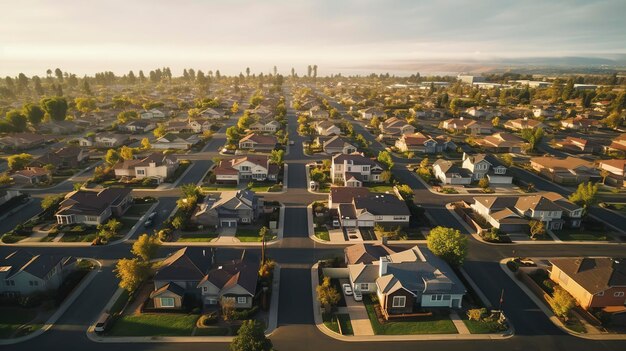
(476, 314)
(245, 314)
(512, 266)
(209, 319)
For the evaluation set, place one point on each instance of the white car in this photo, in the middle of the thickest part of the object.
(347, 289)
(358, 296)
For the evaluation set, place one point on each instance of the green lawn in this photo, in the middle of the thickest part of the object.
(483, 327)
(204, 237)
(69, 237)
(579, 234)
(322, 233)
(380, 188)
(346, 324)
(249, 235)
(154, 325)
(12, 318)
(409, 326)
(219, 187)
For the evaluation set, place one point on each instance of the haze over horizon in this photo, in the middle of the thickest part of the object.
(338, 36)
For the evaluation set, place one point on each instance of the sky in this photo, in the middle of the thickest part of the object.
(91, 36)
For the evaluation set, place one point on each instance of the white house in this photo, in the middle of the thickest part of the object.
(448, 172)
(155, 166)
(354, 169)
(486, 165)
(247, 168)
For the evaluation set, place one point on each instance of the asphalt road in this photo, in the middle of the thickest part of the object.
(296, 253)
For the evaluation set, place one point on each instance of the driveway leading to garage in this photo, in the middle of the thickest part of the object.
(361, 324)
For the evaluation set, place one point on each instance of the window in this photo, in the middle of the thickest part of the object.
(366, 168)
(364, 286)
(399, 218)
(244, 168)
(241, 299)
(446, 297)
(436, 297)
(398, 301)
(167, 302)
(618, 294)
(141, 171)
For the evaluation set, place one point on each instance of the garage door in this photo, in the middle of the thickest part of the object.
(228, 223)
(365, 223)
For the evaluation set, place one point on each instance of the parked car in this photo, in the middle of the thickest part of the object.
(102, 323)
(358, 296)
(150, 221)
(347, 289)
(291, 142)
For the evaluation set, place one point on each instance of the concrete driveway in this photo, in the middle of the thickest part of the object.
(361, 324)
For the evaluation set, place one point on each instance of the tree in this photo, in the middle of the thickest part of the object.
(112, 156)
(277, 156)
(145, 144)
(34, 113)
(449, 244)
(561, 302)
(532, 136)
(19, 161)
(264, 232)
(110, 229)
(406, 192)
(55, 107)
(585, 195)
(51, 201)
(159, 131)
(178, 222)
(327, 295)
(17, 120)
(233, 134)
(126, 152)
(495, 121)
(374, 122)
(228, 309)
(145, 247)
(385, 176)
(537, 228)
(132, 272)
(484, 183)
(508, 160)
(614, 120)
(424, 162)
(235, 108)
(251, 337)
(385, 158)
(85, 105)
(190, 190)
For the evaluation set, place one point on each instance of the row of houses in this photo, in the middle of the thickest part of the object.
(472, 168)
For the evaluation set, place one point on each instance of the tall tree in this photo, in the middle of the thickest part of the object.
(34, 113)
(59, 74)
(132, 272)
(17, 119)
(449, 244)
(55, 107)
(145, 247)
(585, 195)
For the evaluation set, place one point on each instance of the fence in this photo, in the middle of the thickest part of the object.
(461, 208)
(336, 273)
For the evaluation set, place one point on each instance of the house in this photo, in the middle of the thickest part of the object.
(511, 213)
(548, 112)
(178, 126)
(486, 165)
(618, 144)
(594, 282)
(354, 169)
(366, 253)
(103, 140)
(338, 145)
(502, 142)
(265, 127)
(63, 158)
(479, 112)
(371, 112)
(93, 207)
(227, 209)
(369, 210)
(175, 141)
(616, 172)
(580, 123)
(21, 141)
(448, 172)
(154, 166)
(247, 168)
(192, 272)
(199, 125)
(141, 126)
(32, 175)
(523, 123)
(212, 114)
(58, 127)
(326, 128)
(318, 112)
(23, 273)
(464, 125)
(404, 281)
(418, 142)
(258, 142)
(575, 144)
(152, 114)
(395, 127)
(569, 170)
(343, 195)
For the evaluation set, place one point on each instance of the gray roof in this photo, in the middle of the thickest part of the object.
(382, 204)
(36, 265)
(186, 264)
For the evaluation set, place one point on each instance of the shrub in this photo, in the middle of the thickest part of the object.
(245, 314)
(209, 319)
(476, 314)
(512, 266)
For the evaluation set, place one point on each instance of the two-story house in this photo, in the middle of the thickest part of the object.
(23, 273)
(449, 172)
(354, 169)
(247, 168)
(326, 128)
(486, 165)
(227, 209)
(371, 209)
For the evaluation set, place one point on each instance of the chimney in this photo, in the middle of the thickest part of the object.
(382, 267)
